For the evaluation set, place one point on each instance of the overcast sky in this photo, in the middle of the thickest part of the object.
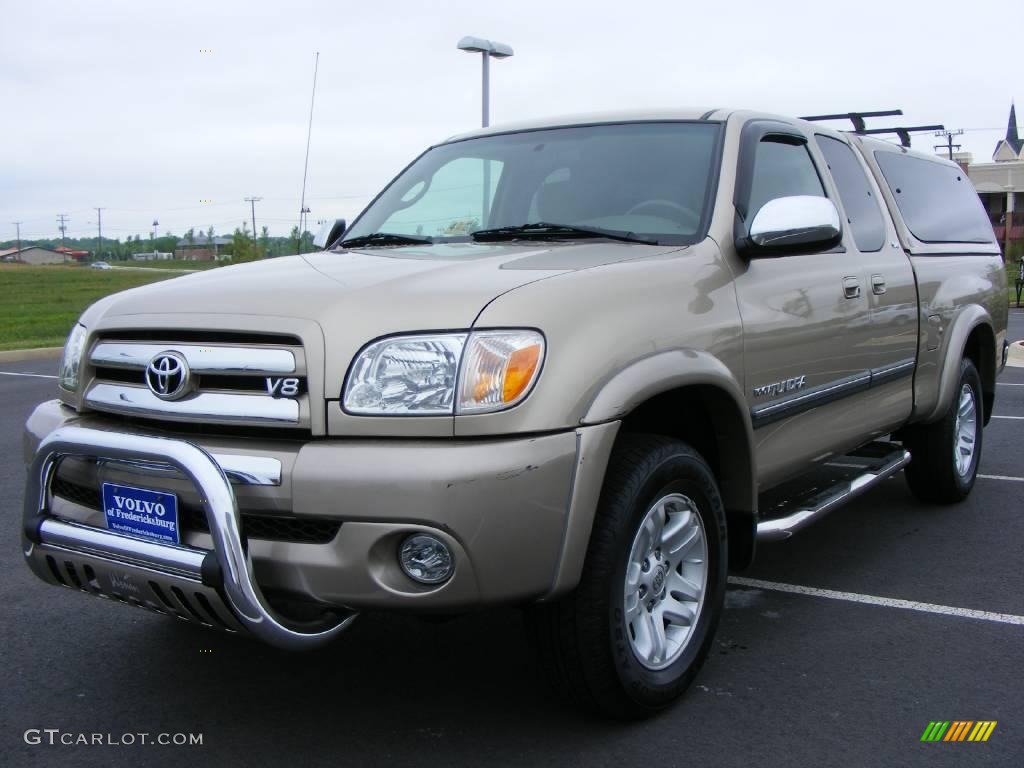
(114, 104)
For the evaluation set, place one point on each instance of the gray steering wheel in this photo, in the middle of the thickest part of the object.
(690, 217)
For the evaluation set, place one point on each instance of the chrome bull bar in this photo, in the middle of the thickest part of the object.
(223, 574)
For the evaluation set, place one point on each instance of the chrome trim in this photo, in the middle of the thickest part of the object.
(241, 470)
(792, 222)
(201, 359)
(211, 407)
(812, 398)
(892, 372)
(779, 528)
(182, 561)
(235, 578)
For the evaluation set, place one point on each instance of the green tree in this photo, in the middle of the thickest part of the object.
(265, 241)
(242, 247)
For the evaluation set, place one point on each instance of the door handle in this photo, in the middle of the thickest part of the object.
(877, 285)
(851, 287)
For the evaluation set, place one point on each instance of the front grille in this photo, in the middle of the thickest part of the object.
(193, 518)
(227, 379)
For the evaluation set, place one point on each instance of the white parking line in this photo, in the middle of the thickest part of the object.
(1015, 418)
(1008, 384)
(32, 375)
(887, 602)
(1003, 477)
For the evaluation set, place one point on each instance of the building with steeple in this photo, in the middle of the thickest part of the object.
(1000, 185)
(1009, 149)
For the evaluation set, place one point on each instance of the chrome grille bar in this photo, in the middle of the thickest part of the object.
(208, 407)
(201, 358)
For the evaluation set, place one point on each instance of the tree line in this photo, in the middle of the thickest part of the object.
(241, 248)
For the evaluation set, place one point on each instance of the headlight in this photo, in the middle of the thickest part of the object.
(72, 360)
(421, 375)
(406, 374)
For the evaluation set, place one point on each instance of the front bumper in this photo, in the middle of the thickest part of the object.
(516, 513)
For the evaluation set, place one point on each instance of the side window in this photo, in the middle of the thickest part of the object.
(862, 211)
(456, 201)
(936, 200)
(782, 169)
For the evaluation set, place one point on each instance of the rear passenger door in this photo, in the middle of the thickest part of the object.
(889, 285)
(806, 317)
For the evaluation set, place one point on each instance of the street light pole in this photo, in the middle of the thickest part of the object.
(486, 89)
(488, 49)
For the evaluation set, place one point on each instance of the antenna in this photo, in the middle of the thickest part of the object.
(305, 169)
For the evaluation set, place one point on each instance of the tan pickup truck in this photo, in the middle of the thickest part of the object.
(579, 365)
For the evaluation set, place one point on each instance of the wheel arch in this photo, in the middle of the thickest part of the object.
(692, 396)
(971, 335)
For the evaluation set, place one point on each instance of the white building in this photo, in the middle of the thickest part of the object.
(1000, 185)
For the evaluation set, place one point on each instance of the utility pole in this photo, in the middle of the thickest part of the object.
(99, 225)
(253, 201)
(17, 226)
(63, 219)
(949, 145)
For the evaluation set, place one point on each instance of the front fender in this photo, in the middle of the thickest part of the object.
(716, 390)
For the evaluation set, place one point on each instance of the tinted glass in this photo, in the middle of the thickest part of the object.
(862, 211)
(782, 170)
(647, 178)
(937, 201)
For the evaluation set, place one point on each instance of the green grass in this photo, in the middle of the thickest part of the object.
(38, 305)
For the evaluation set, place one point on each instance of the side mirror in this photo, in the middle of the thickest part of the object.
(792, 225)
(329, 234)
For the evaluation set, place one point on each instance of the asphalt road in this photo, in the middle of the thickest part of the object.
(794, 679)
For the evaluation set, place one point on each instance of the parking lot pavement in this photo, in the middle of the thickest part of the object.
(793, 679)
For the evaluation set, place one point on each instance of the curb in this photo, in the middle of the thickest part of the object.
(1016, 357)
(39, 353)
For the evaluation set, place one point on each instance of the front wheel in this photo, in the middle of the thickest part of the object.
(945, 454)
(633, 635)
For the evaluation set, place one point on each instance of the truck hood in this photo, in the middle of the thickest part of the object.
(354, 296)
(392, 289)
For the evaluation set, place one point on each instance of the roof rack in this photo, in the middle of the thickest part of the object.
(859, 128)
(857, 118)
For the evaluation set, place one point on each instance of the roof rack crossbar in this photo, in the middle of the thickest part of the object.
(857, 118)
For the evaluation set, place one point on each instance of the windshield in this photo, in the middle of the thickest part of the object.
(647, 179)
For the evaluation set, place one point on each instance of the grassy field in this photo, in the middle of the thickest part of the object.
(38, 305)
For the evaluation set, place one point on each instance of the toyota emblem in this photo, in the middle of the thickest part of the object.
(168, 376)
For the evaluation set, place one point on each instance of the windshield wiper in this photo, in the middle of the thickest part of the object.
(384, 238)
(543, 229)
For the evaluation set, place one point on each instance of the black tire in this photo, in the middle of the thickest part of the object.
(580, 640)
(932, 473)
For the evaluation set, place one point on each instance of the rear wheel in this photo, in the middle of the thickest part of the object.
(633, 635)
(945, 454)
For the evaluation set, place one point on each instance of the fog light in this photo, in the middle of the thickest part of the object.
(426, 559)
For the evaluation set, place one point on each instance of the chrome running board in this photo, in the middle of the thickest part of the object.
(214, 588)
(870, 466)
